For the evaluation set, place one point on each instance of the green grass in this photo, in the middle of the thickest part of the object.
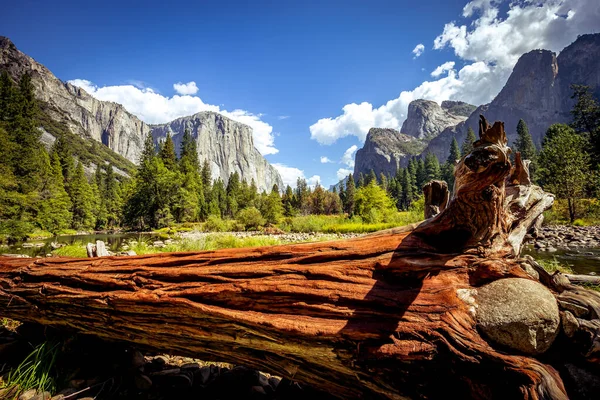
(551, 266)
(340, 224)
(76, 249)
(35, 372)
(209, 242)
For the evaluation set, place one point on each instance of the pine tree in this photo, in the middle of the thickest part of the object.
(82, 199)
(272, 207)
(361, 180)
(7, 97)
(383, 181)
(288, 202)
(371, 177)
(524, 145)
(408, 188)
(188, 152)
(586, 117)
(233, 194)
(26, 136)
(432, 167)
(350, 193)
(467, 145)
(167, 153)
(65, 155)
(421, 174)
(301, 194)
(54, 204)
(448, 168)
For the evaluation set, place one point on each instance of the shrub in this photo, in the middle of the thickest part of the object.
(214, 224)
(250, 218)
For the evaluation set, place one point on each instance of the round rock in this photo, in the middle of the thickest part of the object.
(518, 313)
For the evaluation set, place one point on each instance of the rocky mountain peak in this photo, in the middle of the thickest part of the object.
(226, 144)
(538, 91)
(426, 119)
(385, 150)
(459, 108)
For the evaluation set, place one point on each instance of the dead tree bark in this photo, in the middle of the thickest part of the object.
(436, 197)
(380, 316)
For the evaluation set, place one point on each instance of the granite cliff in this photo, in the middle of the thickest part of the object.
(226, 144)
(386, 150)
(426, 119)
(538, 91)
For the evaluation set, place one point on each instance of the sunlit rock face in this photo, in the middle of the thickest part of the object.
(538, 91)
(226, 144)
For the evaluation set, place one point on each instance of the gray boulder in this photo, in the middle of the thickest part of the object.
(518, 313)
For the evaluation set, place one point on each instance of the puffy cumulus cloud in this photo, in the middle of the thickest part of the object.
(348, 157)
(418, 50)
(154, 108)
(186, 88)
(445, 67)
(343, 172)
(491, 45)
(290, 175)
(325, 160)
(528, 25)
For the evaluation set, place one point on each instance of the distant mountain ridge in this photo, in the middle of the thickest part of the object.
(537, 91)
(386, 150)
(111, 124)
(227, 144)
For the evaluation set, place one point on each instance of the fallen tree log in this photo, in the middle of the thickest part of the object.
(402, 313)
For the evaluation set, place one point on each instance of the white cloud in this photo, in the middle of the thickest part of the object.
(281, 117)
(313, 181)
(343, 172)
(185, 88)
(154, 108)
(290, 175)
(348, 157)
(491, 44)
(418, 50)
(325, 160)
(445, 67)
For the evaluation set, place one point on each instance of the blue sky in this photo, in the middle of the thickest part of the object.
(310, 77)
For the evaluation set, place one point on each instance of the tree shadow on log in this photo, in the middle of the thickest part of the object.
(382, 330)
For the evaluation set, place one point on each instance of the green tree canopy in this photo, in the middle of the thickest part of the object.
(564, 165)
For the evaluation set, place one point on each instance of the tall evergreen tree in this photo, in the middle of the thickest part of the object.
(586, 117)
(167, 153)
(288, 202)
(467, 145)
(421, 174)
(189, 152)
(432, 167)
(350, 192)
(448, 167)
(524, 145)
(54, 204)
(7, 97)
(82, 199)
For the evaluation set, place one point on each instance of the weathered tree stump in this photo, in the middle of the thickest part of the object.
(394, 314)
(436, 197)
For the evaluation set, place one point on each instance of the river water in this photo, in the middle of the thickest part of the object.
(113, 241)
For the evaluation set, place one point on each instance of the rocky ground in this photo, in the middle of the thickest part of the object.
(89, 368)
(550, 238)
